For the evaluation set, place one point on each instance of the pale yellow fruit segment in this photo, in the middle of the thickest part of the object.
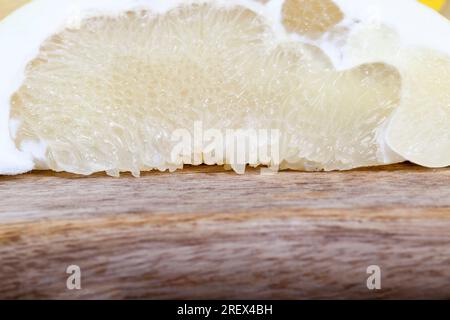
(109, 96)
(420, 128)
(311, 17)
(339, 127)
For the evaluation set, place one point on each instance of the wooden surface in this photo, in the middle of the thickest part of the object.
(206, 233)
(209, 233)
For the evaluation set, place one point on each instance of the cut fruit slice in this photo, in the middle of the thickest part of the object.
(419, 129)
(109, 84)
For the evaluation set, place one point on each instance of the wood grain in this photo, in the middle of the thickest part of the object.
(209, 233)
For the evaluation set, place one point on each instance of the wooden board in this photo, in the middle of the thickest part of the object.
(208, 233)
